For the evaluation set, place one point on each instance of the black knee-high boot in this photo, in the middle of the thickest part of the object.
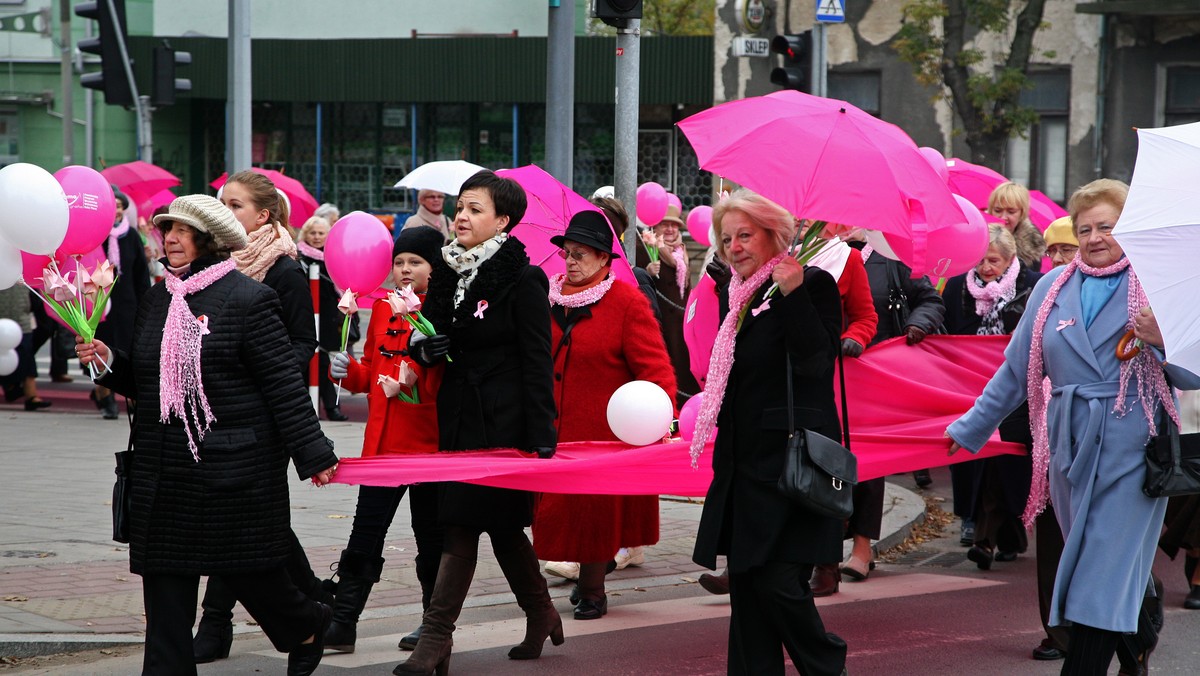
(1091, 651)
(357, 573)
(214, 636)
(517, 559)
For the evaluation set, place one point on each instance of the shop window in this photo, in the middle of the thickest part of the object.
(1182, 96)
(1039, 159)
(859, 89)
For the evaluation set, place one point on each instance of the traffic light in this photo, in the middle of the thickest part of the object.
(617, 13)
(111, 79)
(797, 61)
(165, 84)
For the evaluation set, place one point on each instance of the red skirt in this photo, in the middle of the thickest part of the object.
(591, 528)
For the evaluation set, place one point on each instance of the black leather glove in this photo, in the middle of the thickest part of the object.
(851, 348)
(430, 351)
(914, 335)
(543, 452)
(720, 273)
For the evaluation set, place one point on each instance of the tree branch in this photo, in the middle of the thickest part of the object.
(955, 74)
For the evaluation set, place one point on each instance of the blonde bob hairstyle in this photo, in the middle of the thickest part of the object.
(761, 211)
(1002, 240)
(1009, 194)
(1101, 191)
(312, 220)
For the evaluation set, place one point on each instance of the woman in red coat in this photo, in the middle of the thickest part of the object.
(394, 425)
(603, 336)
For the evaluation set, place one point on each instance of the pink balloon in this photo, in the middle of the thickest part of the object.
(651, 203)
(358, 252)
(31, 268)
(954, 249)
(673, 200)
(92, 209)
(699, 224)
(937, 161)
(687, 416)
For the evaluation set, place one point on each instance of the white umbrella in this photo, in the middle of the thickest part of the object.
(446, 176)
(1159, 230)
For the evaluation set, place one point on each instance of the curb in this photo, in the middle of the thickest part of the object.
(907, 511)
(40, 645)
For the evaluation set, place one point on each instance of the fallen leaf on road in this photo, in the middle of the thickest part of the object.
(689, 579)
(107, 652)
(338, 516)
(16, 599)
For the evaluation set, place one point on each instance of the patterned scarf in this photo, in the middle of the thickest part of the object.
(1152, 386)
(113, 249)
(266, 245)
(180, 386)
(466, 262)
(721, 362)
(310, 252)
(991, 297)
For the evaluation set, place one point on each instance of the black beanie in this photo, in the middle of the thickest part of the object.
(421, 240)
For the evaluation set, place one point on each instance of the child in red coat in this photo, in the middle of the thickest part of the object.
(385, 373)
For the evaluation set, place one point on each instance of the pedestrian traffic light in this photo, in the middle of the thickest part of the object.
(165, 85)
(797, 61)
(617, 12)
(111, 79)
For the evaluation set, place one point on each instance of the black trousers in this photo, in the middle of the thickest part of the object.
(1049, 539)
(220, 597)
(62, 342)
(286, 615)
(374, 513)
(965, 478)
(867, 519)
(773, 605)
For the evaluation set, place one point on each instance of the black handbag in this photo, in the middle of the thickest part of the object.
(122, 493)
(819, 474)
(1172, 462)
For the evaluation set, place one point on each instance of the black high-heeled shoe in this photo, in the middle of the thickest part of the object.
(212, 642)
(334, 413)
(36, 403)
(982, 556)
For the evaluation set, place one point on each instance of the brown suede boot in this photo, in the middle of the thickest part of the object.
(437, 629)
(517, 559)
(825, 579)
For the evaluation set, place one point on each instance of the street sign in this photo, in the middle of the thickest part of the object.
(831, 11)
(746, 46)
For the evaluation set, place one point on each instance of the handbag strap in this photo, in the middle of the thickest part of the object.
(845, 413)
(791, 414)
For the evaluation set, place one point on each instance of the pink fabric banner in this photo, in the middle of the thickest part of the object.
(902, 398)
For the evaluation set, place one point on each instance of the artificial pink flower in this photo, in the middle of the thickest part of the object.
(58, 286)
(397, 303)
(391, 386)
(648, 238)
(408, 377)
(410, 298)
(348, 304)
(103, 276)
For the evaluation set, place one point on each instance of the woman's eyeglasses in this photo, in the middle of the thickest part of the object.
(575, 255)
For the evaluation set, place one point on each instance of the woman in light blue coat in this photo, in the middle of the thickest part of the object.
(1090, 427)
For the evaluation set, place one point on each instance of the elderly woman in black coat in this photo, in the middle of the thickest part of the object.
(223, 408)
(772, 310)
(489, 305)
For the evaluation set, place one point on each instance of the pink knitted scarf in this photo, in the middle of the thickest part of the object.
(1151, 381)
(721, 362)
(112, 249)
(310, 252)
(587, 296)
(987, 293)
(180, 386)
(266, 245)
(681, 270)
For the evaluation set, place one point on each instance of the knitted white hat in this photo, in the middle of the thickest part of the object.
(207, 214)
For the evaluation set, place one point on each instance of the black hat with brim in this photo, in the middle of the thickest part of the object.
(590, 228)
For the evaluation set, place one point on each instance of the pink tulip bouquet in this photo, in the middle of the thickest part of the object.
(652, 243)
(404, 387)
(78, 298)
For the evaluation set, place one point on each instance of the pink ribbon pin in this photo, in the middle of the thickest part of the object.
(1064, 323)
(766, 305)
(203, 319)
(479, 308)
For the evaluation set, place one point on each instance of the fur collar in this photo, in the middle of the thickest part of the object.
(495, 278)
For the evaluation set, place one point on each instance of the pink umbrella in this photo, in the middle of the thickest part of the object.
(146, 204)
(551, 205)
(825, 159)
(1043, 211)
(973, 181)
(300, 202)
(140, 177)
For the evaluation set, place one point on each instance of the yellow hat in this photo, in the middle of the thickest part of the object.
(1061, 231)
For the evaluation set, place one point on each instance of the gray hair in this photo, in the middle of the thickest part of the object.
(761, 211)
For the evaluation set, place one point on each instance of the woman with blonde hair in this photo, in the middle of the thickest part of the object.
(1010, 203)
(310, 247)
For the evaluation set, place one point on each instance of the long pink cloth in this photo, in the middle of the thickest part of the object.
(896, 426)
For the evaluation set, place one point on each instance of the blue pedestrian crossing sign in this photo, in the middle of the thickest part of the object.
(831, 11)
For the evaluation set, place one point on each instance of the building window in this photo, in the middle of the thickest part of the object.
(1182, 100)
(10, 149)
(858, 89)
(1039, 160)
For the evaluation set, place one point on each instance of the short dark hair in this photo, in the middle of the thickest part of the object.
(615, 211)
(206, 244)
(506, 194)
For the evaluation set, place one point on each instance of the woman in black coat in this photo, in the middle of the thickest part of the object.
(770, 543)
(990, 494)
(223, 409)
(489, 306)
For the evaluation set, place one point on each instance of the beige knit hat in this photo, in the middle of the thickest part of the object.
(206, 214)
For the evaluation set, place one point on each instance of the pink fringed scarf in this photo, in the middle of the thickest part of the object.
(721, 362)
(681, 270)
(1151, 381)
(112, 249)
(310, 252)
(181, 389)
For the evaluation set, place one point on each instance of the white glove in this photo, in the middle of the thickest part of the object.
(339, 365)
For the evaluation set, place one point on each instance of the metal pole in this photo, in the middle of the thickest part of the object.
(145, 130)
(68, 83)
(141, 103)
(237, 140)
(320, 121)
(820, 66)
(89, 114)
(560, 91)
(626, 141)
(314, 365)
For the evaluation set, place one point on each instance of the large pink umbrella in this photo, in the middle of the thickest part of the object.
(973, 181)
(1043, 211)
(824, 159)
(551, 205)
(140, 178)
(300, 202)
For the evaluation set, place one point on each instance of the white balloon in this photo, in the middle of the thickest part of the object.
(640, 413)
(10, 335)
(8, 362)
(879, 243)
(10, 264)
(35, 213)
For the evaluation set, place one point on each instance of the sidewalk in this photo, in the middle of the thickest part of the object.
(66, 585)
